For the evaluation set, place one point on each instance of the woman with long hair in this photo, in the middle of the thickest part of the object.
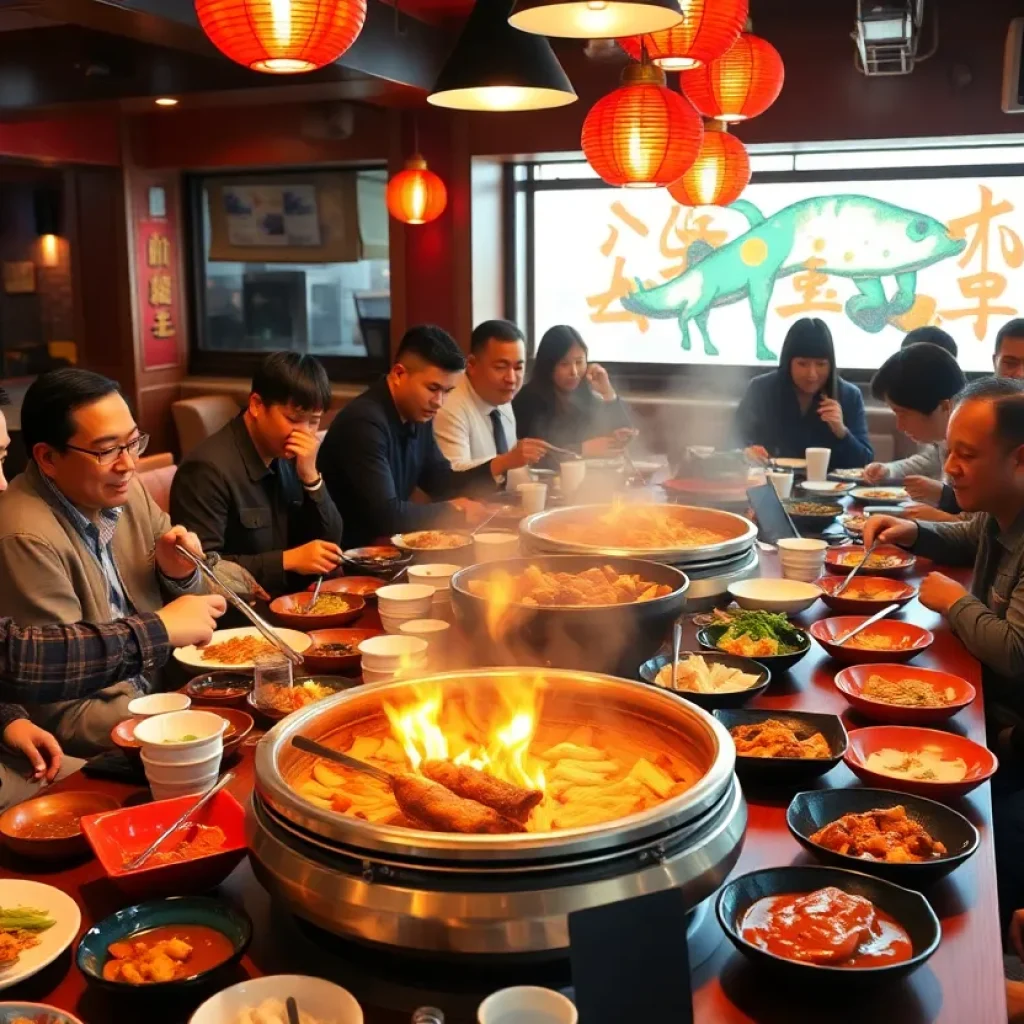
(804, 403)
(568, 402)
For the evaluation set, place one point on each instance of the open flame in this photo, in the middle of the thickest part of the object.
(495, 740)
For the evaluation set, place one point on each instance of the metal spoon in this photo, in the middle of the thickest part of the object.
(877, 617)
(316, 590)
(677, 642)
(856, 569)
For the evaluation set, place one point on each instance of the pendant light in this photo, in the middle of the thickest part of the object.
(282, 37)
(416, 195)
(594, 19)
(642, 135)
(496, 67)
(719, 174)
(708, 29)
(744, 82)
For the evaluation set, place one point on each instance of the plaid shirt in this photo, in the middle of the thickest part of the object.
(50, 663)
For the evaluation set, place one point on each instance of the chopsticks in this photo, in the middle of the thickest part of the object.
(856, 569)
(137, 862)
(877, 617)
(563, 451)
(233, 599)
(316, 589)
(677, 642)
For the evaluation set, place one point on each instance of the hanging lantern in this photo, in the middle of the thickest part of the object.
(708, 29)
(744, 82)
(642, 135)
(416, 195)
(282, 37)
(719, 174)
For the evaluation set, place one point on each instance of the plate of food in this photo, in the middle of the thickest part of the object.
(833, 488)
(926, 762)
(709, 679)
(906, 839)
(37, 923)
(881, 931)
(767, 637)
(885, 495)
(853, 524)
(276, 702)
(909, 696)
(779, 747)
(365, 587)
(847, 474)
(263, 1001)
(868, 594)
(812, 516)
(790, 465)
(34, 1013)
(888, 640)
(297, 611)
(381, 560)
(336, 650)
(49, 827)
(885, 560)
(237, 648)
(432, 540)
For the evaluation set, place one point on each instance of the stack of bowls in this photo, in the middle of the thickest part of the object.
(802, 558)
(181, 752)
(392, 657)
(439, 576)
(403, 602)
(435, 632)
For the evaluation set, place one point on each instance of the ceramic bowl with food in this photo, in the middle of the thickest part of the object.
(219, 689)
(197, 859)
(913, 847)
(433, 574)
(159, 704)
(865, 595)
(827, 488)
(820, 740)
(336, 650)
(332, 610)
(811, 514)
(775, 595)
(853, 524)
(886, 641)
(886, 560)
(879, 495)
(217, 933)
(453, 544)
(277, 702)
(365, 587)
(796, 643)
(926, 762)
(239, 725)
(182, 736)
(708, 687)
(34, 1013)
(321, 999)
(904, 696)
(381, 560)
(49, 828)
(909, 909)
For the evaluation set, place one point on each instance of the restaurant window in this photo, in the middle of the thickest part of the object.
(874, 242)
(295, 261)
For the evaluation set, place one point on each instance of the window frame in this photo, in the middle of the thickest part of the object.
(226, 363)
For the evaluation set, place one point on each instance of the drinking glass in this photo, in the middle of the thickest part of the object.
(273, 671)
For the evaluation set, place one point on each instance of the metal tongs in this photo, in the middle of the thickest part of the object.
(233, 599)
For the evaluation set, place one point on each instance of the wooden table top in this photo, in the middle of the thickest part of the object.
(963, 982)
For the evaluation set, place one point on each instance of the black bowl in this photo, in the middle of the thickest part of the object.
(381, 560)
(787, 770)
(812, 810)
(708, 637)
(711, 701)
(908, 908)
(812, 522)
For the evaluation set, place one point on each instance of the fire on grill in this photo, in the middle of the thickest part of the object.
(487, 760)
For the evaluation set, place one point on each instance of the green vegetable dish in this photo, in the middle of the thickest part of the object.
(753, 634)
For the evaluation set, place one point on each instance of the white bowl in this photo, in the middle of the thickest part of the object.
(804, 563)
(527, 1003)
(494, 545)
(405, 599)
(428, 629)
(178, 774)
(321, 999)
(161, 741)
(158, 704)
(434, 574)
(389, 652)
(801, 545)
(774, 595)
(373, 675)
(836, 488)
(169, 791)
(803, 575)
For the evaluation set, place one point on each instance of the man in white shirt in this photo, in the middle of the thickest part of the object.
(476, 424)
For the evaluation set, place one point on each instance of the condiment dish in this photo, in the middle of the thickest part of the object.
(711, 701)
(850, 682)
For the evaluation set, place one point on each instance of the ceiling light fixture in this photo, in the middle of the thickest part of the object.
(708, 29)
(496, 67)
(594, 19)
(165, 101)
(416, 195)
(719, 174)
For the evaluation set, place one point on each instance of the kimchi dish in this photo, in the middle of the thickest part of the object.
(772, 738)
(594, 587)
(654, 527)
(487, 760)
(882, 834)
(870, 641)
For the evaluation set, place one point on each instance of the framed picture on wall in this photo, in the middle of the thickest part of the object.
(19, 277)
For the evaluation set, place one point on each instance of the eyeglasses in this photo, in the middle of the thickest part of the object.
(109, 456)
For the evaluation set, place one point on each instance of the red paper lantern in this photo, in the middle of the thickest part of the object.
(719, 174)
(744, 82)
(416, 195)
(642, 135)
(708, 29)
(282, 37)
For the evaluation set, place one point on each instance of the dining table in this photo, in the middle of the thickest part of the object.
(961, 984)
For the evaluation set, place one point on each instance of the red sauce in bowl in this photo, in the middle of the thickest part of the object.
(829, 928)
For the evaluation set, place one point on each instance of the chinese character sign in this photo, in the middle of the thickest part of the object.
(646, 280)
(159, 305)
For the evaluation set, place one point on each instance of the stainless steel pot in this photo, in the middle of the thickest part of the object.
(498, 895)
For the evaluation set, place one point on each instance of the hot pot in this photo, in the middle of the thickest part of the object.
(493, 895)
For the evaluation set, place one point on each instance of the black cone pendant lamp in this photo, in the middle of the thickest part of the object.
(496, 67)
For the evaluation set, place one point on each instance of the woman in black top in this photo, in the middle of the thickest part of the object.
(567, 402)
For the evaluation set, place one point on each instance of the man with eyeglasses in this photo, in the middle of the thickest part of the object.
(82, 540)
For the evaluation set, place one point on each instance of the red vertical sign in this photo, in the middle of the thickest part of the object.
(158, 270)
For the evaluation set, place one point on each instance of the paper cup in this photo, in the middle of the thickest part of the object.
(782, 482)
(526, 1003)
(515, 477)
(573, 472)
(534, 497)
(817, 463)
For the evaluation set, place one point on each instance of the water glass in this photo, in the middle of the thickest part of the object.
(272, 671)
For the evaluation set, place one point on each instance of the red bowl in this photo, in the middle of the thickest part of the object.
(827, 630)
(981, 762)
(834, 556)
(331, 663)
(365, 587)
(891, 592)
(287, 611)
(118, 836)
(851, 681)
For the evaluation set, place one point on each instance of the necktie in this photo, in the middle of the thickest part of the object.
(500, 440)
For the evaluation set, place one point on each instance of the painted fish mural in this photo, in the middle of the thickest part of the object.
(849, 236)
